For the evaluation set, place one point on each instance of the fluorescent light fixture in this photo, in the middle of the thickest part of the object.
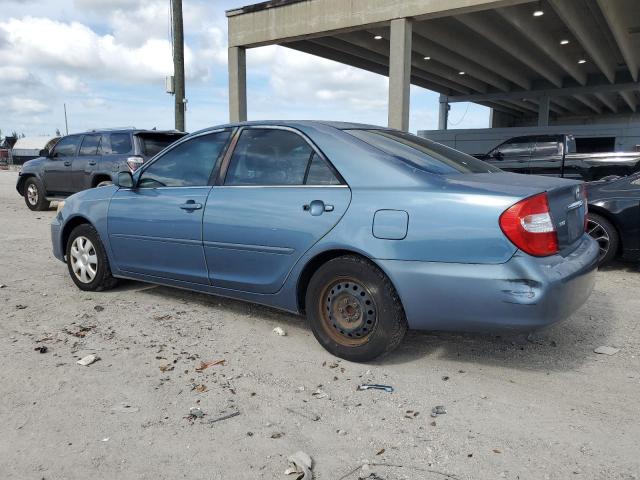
(461, 73)
(377, 37)
(538, 13)
(564, 42)
(427, 58)
(582, 60)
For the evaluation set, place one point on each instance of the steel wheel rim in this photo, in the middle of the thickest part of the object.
(32, 194)
(83, 259)
(600, 235)
(348, 312)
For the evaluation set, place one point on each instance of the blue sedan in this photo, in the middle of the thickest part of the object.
(367, 230)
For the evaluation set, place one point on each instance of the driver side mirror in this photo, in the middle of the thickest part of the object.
(124, 180)
(497, 155)
(44, 153)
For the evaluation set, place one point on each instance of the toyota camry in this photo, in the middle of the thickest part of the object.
(367, 230)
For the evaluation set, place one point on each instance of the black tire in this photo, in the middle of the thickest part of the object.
(603, 231)
(35, 196)
(102, 278)
(354, 309)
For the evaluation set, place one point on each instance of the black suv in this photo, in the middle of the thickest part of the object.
(87, 160)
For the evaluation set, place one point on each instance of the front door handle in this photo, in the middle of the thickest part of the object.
(92, 162)
(191, 205)
(317, 207)
(67, 163)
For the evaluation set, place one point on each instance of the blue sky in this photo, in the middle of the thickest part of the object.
(107, 61)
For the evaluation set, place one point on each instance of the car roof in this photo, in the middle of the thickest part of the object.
(298, 123)
(126, 130)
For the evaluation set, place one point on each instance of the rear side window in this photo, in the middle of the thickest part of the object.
(421, 153)
(120, 143)
(90, 145)
(66, 147)
(189, 164)
(276, 157)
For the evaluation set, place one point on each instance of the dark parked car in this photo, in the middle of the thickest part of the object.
(366, 229)
(614, 217)
(87, 160)
(556, 155)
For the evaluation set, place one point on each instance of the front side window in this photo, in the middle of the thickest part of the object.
(515, 147)
(265, 156)
(66, 147)
(90, 145)
(421, 153)
(187, 165)
(120, 143)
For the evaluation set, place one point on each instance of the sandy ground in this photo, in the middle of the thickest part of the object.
(547, 407)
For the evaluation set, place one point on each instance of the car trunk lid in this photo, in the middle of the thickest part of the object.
(567, 199)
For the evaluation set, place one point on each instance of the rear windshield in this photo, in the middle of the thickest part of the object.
(421, 153)
(153, 143)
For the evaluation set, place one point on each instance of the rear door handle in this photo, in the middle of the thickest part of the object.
(317, 207)
(92, 162)
(67, 163)
(191, 205)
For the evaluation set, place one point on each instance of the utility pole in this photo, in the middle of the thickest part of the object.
(178, 62)
(66, 125)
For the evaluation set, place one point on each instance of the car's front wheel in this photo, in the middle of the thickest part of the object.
(603, 232)
(35, 195)
(354, 309)
(87, 260)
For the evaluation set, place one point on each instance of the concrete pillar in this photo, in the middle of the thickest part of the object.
(399, 73)
(543, 112)
(237, 84)
(443, 118)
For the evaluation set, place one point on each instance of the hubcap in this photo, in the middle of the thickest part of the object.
(348, 312)
(84, 261)
(32, 194)
(600, 235)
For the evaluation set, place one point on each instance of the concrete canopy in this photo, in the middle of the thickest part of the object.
(577, 58)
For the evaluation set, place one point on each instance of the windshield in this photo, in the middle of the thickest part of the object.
(422, 153)
(153, 143)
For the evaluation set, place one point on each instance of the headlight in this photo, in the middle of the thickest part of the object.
(60, 206)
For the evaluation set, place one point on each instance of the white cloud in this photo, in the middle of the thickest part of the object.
(94, 103)
(70, 83)
(10, 73)
(23, 105)
(74, 47)
(299, 78)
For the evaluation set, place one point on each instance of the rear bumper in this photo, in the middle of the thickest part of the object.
(524, 293)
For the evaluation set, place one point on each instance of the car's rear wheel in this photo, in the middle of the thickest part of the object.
(35, 195)
(354, 310)
(603, 232)
(87, 260)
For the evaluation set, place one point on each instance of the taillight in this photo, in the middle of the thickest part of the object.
(134, 163)
(529, 226)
